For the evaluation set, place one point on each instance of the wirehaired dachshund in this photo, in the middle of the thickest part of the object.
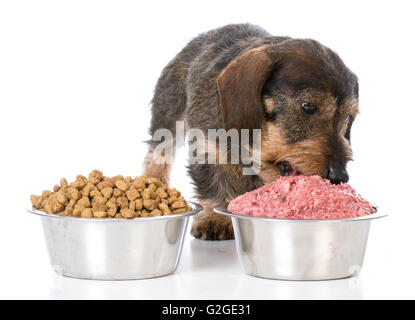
(297, 92)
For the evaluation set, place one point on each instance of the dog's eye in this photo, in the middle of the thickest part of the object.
(309, 108)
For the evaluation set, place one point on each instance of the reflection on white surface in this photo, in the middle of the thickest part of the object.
(208, 270)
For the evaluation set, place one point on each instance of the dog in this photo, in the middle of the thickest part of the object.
(298, 92)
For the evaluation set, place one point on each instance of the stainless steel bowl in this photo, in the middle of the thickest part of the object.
(115, 249)
(289, 249)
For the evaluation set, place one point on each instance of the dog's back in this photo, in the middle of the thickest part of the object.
(191, 76)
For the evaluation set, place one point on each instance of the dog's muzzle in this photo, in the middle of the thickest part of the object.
(336, 173)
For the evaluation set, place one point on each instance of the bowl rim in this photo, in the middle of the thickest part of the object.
(196, 208)
(222, 209)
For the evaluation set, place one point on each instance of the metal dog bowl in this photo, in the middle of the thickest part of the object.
(115, 249)
(289, 249)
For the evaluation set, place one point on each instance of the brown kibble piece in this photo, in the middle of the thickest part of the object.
(61, 197)
(131, 206)
(99, 200)
(147, 194)
(132, 194)
(107, 192)
(87, 213)
(73, 193)
(161, 193)
(100, 214)
(139, 184)
(149, 204)
(46, 193)
(127, 213)
(99, 207)
(36, 201)
(165, 208)
(154, 181)
(105, 184)
(64, 183)
(120, 184)
(123, 202)
(118, 193)
(138, 204)
(112, 212)
(85, 202)
(152, 187)
(173, 192)
(155, 213)
(56, 188)
(181, 210)
(178, 205)
(111, 203)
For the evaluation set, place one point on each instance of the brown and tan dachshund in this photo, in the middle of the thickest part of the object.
(298, 92)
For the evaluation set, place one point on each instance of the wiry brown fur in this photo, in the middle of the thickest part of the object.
(239, 76)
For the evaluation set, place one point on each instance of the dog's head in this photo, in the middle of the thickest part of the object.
(303, 98)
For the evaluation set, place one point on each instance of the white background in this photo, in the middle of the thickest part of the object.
(76, 80)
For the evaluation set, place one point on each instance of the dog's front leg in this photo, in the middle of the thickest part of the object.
(209, 225)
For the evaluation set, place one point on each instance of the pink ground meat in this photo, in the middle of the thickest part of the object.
(302, 197)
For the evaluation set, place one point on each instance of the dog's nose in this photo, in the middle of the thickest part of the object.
(336, 173)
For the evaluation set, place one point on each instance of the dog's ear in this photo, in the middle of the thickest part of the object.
(240, 85)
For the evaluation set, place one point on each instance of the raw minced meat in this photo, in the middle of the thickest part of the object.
(302, 197)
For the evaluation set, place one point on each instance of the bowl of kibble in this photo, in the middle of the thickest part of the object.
(113, 228)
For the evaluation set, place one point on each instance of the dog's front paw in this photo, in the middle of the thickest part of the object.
(212, 226)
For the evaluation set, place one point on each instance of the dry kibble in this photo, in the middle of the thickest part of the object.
(77, 210)
(112, 212)
(61, 197)
(120, 184)
(161, 193)
(155, 213)
(139, 184)
(64, 183)
(68, 211)
(171, 200)
(73, 193)
(132, 194)
(155, 181)
(99, 200)
(117, 197)
(131, 206)
(105, 184)
(87, 189)
(152, 187)
(85, 202)
(127, 213)
(100, 214)
(181, 210)
(107, 192)
(178, 205)
(164, 208)
(46, 193)
(149, 204)
(111, 203)
(118, 193)
(99, 207)
(123, 202)
(36, 201)
(87, 213)
(138, 204)
(147, 194)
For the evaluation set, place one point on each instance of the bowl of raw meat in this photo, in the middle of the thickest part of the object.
(301, 228)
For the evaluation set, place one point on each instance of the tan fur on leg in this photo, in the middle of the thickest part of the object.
(156, 170)
(209, 225)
